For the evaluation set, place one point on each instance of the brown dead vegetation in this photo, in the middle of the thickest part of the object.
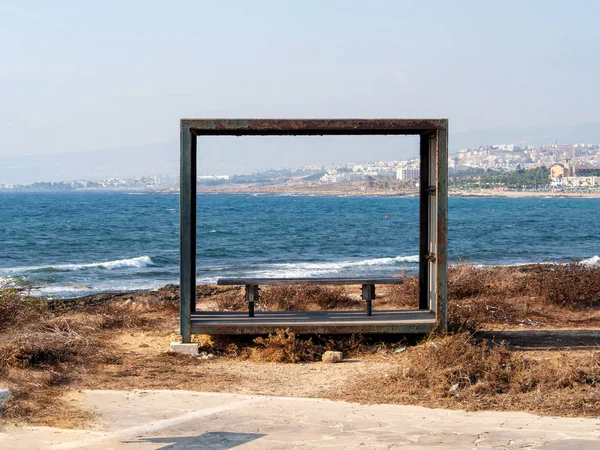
(47, 347)
(453, 372)
(521, 296)
(283, 346)
(44, 348)
(287, 298)
(304, 298)
(560, 296)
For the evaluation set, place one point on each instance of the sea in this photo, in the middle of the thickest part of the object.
(72, 244)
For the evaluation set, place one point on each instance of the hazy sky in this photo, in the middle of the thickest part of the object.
(82, 75)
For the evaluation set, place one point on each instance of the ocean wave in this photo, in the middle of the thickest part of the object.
(140, 261)
(593, 261)
(313, 269)
(68, 291)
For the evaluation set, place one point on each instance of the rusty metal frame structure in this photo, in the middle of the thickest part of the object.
(433, 209)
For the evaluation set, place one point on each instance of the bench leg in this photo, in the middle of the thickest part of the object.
(251, 297)
(368, 294)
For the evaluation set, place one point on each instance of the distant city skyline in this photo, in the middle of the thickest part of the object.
(495, 157)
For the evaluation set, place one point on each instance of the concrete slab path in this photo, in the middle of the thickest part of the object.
(190, 420)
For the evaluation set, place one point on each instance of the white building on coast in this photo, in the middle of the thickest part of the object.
(404, 174)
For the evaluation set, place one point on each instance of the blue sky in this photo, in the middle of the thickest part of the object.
(82, 76)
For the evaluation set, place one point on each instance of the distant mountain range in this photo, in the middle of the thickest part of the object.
(563, 134)
(225, 158)
(91, 165)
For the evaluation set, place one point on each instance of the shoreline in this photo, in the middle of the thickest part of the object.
(101, 296)
(331, 191)
(523, 194)
(353, 191)
(209, 288)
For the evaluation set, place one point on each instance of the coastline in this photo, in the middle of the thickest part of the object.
(333, 190)
(350, 190)
(208, 289)
(523, 194)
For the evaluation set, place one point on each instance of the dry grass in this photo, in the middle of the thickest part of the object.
(232, 300)
(480, 297)
(283, 347)
(286, 298)
(402, 296)
(452, 372)
(484, 297)
(572, 285)
(305, 298)
(45, 347)
(17, 309)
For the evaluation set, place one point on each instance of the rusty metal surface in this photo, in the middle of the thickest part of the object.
(424, 222)
(239, 127)
(442, 230)
(414, 328)
(322, 322)
(306, 281)
(187, 226)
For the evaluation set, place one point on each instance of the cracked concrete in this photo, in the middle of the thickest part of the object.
(185, 420)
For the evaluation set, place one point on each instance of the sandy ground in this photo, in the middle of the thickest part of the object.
(144, 364)
(186, 420)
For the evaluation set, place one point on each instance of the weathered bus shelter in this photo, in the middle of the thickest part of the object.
(433, 224)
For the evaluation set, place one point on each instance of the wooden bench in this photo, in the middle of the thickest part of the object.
(368, 286)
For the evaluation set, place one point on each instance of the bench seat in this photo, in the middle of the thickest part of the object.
(252, 284)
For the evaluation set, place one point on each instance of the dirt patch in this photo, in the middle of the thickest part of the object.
(144, 363)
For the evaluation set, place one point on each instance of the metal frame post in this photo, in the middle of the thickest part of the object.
(424, 191)
(187, 224)
(368, 295)
(442, 230)
(251, 297)
(433, 229)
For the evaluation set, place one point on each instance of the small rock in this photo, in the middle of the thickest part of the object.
(332, 357)
(190, 349)
(454, 390)
(4, 394)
